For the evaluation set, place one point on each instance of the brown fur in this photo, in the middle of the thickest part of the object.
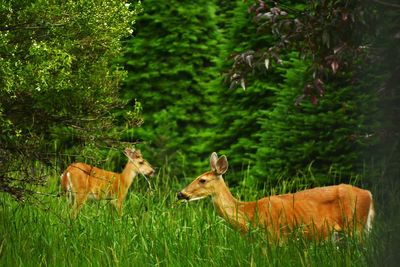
(315, 212)
(82, 181)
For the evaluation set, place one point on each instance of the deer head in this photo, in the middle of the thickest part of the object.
(209, 183)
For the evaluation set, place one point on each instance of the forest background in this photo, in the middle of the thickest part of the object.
(181, 79)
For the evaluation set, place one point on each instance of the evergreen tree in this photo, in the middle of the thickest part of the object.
(285, 139)
(237, 111)
(324, 140)
(170, 63)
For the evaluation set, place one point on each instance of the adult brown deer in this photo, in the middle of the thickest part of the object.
(316, 212)
(81, 181)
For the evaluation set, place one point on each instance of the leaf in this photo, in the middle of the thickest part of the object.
(319, 85)
(334, 66)
(266, 63)
(338, 49)
(326, 38)
(249, 58)
(299, 99)
(232, 85)
(242, 84)
(314, 100)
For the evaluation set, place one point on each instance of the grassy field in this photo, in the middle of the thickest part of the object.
(153, 231)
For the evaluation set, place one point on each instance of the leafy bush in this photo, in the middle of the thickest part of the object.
(58, 78)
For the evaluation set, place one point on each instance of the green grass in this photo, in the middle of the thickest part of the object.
(153, 231)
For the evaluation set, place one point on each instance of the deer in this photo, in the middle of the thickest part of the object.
(81, 181)
(314, 213)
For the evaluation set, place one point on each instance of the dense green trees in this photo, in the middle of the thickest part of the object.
(237, 111)
(171, 61)
(324, 141)
(327, 136)
(311, 88)
(58, 83)
(269, 127)
(175, 71)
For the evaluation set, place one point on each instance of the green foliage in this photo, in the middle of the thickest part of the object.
(59, 90)
(189, 113)
(237, 111)
(154, 231)
(269, 129)
(62, 56)
(171, 62)
(328, 34)
(59, 85)
(327, 138)
(262, 127)
(383, 165)
(381, 75)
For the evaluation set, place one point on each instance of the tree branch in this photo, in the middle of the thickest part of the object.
(386, 3)
(28, 27)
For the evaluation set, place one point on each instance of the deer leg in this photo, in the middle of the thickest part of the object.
(118, 205)
(80, 199)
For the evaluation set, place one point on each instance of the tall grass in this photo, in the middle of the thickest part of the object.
(153, 231)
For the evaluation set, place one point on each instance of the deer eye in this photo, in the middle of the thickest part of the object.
(202, 181)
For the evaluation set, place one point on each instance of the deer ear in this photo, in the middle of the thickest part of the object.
(129, 152)
(222, 165)
(137, 153)
(213, 161)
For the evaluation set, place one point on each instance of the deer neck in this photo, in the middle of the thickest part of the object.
(129, 173)
(225, 204)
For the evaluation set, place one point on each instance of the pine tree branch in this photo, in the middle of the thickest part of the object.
(386, 3)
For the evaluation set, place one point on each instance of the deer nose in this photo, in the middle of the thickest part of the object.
(181, 195)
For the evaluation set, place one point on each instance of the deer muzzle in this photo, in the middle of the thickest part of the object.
(182, 195)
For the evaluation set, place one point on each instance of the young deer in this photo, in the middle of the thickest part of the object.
(316, 212)
(81, 181)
